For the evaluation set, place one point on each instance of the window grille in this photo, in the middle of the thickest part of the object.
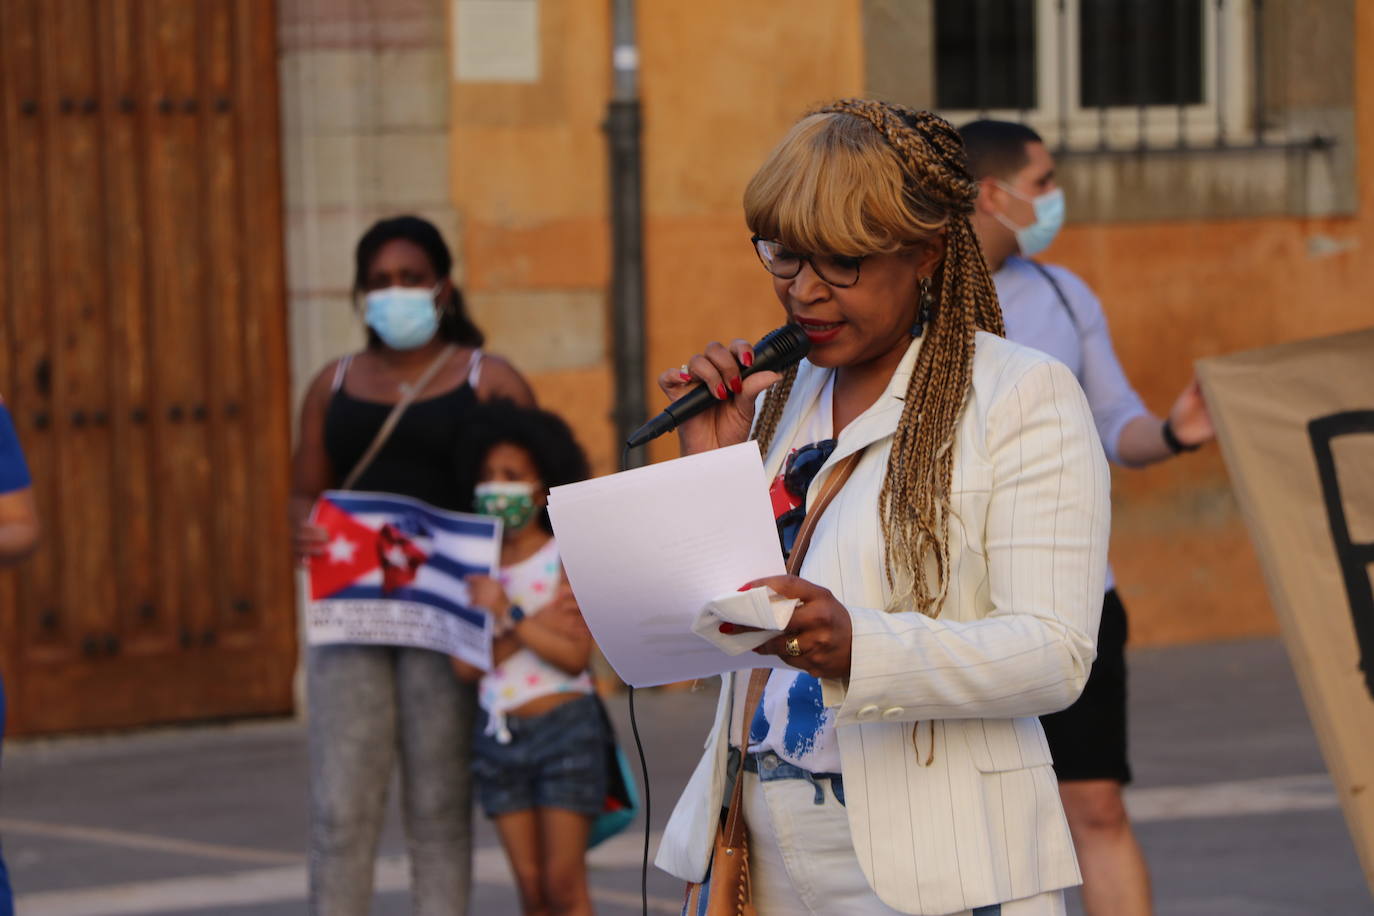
(1112, 76)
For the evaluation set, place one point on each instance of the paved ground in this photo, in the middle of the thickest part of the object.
(1233, 807)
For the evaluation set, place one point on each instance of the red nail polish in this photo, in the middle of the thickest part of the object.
(720, 391)
(745, 588)
(747, 359)
(685, 376)
(727, 628)
(736, 385)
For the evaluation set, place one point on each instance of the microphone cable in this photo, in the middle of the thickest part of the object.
(643, 765)
(644, 770)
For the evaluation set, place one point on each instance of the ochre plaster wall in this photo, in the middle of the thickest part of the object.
(529, 183)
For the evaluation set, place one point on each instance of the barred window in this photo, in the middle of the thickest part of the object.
(985, 54)
(1135, 53)
(1103, 73)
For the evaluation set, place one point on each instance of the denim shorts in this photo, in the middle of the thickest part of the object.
(554, 760)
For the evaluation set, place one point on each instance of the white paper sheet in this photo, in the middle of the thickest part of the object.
(646, 549)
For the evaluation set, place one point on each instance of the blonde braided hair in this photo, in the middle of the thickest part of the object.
(860, 177)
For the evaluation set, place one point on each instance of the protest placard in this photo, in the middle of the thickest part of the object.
(392, 573)
(1296, 426)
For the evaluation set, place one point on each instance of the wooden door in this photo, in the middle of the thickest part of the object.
(143, 356)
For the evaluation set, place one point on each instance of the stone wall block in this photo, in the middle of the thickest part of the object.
(337, 89)
(412, 90)
(320, 247)
(544, 330)
(412, 169)
(322, 328)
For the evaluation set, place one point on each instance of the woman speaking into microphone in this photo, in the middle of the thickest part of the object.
(945, 500)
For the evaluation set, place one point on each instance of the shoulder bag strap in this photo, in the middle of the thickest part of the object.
(389, 425)
(1058, 292)
(837, 479)
(734, 818)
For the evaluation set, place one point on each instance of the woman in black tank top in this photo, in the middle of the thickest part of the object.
(367, 703)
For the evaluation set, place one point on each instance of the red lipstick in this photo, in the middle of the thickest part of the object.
(819, 331)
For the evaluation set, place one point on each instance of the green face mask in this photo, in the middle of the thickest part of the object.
(510, 501)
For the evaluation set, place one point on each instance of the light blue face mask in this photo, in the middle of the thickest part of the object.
(1049, 218)
(404, 317)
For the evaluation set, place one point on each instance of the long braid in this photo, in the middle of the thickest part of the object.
(771, 411)
(914, 500)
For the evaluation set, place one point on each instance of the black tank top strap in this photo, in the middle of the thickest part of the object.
(340, 372)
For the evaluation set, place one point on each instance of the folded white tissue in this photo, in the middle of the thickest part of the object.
(758, 607)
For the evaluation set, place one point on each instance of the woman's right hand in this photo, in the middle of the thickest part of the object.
(727, 422)
(310, 541)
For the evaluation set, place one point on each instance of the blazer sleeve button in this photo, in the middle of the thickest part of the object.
(893, 714)
(868, 712)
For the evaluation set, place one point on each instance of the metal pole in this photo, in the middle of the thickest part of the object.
(623, 129)
(1065, 98)
(1221, 71)
(1257, 68)
(1181, 22)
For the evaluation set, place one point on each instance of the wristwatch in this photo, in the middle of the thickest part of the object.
(1172, 440)
(515, 614)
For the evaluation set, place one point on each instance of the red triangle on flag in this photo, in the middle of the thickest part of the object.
(349, 554)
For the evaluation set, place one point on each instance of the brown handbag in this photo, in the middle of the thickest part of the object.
(727, 890)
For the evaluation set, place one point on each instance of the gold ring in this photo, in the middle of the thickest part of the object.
(793, 647)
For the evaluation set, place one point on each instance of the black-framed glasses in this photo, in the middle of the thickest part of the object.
(782, 262)
(801, 468)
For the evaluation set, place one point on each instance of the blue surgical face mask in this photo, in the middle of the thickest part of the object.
(1049, 218)
(404, 317)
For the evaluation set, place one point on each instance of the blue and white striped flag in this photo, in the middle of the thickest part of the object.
(392, 573)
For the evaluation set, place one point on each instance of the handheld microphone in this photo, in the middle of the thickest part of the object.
(777, 351)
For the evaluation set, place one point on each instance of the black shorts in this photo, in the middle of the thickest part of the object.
(1088, 740)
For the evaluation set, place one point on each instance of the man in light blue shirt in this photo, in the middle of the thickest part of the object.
(1020, 208)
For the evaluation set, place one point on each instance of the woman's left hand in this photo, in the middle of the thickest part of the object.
(820, 625)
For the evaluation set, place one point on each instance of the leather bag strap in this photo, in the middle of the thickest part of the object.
(837, 479)
(758, 678)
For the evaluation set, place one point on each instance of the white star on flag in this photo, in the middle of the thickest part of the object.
(341, 550)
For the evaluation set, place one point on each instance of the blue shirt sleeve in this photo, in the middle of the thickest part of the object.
(1113, 401)
(14, 470)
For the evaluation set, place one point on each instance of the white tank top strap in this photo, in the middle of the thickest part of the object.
(475, 368)
(340, 370)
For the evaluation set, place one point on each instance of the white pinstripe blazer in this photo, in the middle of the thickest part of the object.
(982, 823)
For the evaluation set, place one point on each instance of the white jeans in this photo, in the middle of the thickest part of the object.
(802, 858)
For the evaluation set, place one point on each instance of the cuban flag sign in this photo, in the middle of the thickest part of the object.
(392, 573)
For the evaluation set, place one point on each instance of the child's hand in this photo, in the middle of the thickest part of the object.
(566, 601)
(486, 592)
(562, 613)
